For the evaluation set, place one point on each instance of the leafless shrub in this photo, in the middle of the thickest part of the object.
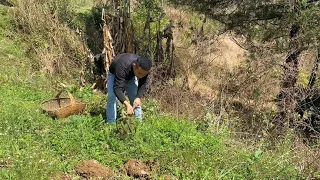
(179, 101)
(184, 96)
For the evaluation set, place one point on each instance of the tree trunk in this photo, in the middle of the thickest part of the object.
(291, 70)
(314, 72)
(159, 51)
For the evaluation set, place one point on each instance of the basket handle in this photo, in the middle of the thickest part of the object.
(72, 100)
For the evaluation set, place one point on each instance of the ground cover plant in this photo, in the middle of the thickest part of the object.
(34, 146)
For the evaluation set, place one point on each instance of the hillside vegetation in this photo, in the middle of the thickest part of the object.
(33, 62)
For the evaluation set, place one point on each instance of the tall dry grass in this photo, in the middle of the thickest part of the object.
(56, 48)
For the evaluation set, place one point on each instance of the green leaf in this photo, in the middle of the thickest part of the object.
(258, 154)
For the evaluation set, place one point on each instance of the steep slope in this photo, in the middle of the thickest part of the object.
(198, 54)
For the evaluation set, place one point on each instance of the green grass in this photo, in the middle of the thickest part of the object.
(38, 146)
(34, 146)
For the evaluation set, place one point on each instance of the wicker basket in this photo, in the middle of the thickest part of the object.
(62, 107)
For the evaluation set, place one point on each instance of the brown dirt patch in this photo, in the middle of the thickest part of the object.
(227, 52)
(137, 169)
(92, 169)
(221, 53)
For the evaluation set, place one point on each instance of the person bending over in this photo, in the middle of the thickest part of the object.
(127, 72)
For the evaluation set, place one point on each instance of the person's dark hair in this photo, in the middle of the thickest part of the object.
(144, 63)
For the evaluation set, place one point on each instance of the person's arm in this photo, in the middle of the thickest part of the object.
(142, 86)
(119, 83)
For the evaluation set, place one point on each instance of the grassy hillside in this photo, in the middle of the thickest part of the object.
(34, 146)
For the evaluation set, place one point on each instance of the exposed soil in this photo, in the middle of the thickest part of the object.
(221, 52)
(92, 169)
(137, 169)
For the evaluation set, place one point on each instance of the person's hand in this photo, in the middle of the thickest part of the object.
(136, 103)
(129, 108)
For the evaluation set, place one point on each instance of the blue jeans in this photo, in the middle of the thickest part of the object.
(131, 86)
